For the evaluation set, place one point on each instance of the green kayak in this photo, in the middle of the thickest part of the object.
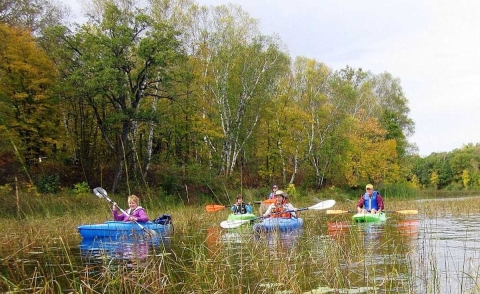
(369, 217)
(245, 216)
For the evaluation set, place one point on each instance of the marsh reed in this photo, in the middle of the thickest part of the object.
(41, 255)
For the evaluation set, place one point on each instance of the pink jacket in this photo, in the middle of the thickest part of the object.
(139, 213)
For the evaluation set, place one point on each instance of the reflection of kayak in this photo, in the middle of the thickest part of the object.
(369, 217)
(278, 224)
(118, 230)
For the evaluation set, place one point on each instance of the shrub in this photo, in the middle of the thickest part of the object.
(49, 183)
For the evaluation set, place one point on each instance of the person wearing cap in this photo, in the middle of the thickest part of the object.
(272, 194)
(281, 208)
(240, 207)
(371, 201)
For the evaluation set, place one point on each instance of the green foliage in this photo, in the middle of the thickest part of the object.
(81, 188)
(49, 183)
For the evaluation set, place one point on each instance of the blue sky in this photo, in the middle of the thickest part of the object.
(432, 46)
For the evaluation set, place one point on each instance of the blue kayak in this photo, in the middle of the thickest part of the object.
(278, 224)
(119, 230)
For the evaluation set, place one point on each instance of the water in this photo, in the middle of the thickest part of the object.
(406, 254)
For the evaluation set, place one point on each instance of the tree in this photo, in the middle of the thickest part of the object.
(29, 108)
(434, 180)
(119, 65)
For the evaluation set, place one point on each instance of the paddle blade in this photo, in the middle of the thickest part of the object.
(214, 207)
(331, 211)
(323, 205)
(408, 211)
(269, 201)
(99, 192)
(231, 224)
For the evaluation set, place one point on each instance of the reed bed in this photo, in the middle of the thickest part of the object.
(41, 255)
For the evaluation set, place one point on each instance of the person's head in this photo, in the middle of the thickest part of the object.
(281, 196)
(274, 188)
(369, 189)
(133, 201)
(239, 198)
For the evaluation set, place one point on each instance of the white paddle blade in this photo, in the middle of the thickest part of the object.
(230, 224)
(323, 205)
(99, 192)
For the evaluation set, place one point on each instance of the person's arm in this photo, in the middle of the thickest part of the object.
(249, 208)
(118, 217)
(269, 210)
(141, 215)
(291, 207)
(380, 202)
(361, 202)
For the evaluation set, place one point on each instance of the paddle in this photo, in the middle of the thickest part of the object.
(230, 224)
(215, 207)
(268, 201)
(101, 193)
(408, 211)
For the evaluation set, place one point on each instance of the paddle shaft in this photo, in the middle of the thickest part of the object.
(406, 211)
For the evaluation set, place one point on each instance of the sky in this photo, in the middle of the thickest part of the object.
(431, 46)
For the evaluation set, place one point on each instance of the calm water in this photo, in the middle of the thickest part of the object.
(406, 254)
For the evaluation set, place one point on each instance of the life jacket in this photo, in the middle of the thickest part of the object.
(370, 203)
(278, 211)
(240, 209)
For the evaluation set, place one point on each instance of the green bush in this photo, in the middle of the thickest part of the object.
(49, 183)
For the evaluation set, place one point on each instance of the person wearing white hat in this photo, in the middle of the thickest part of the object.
(371, 201)
(281, 208)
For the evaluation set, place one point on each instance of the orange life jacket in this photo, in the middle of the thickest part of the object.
(278, 211)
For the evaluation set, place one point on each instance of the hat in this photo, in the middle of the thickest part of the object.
(281, 193)
(274, 186)
(369, 186)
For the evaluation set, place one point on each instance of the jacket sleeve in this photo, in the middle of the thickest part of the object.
(291, 207)
(141, 216)
(361, 202)
(380, 201)
(118, 217)
(269, 210)
(249, 208)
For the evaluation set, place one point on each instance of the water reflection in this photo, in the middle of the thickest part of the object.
(280, 240)
(99, 251)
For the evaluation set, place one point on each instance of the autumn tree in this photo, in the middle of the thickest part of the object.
(29, 108)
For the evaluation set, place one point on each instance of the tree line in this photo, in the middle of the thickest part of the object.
(177, 95)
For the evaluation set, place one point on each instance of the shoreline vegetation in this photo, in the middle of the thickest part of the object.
(199, 264)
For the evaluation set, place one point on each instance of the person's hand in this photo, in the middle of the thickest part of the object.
(114, 208)
(132, 218)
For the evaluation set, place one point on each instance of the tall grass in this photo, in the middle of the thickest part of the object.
(40, 254)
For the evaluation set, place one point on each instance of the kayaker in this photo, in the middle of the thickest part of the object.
(134, 213)
(371, 201)
(281, 205)
(240, 207)
(272, 194)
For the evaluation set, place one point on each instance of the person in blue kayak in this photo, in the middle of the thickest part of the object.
(240, 207)
(371, 201)
(134, 212)
(281, 207)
